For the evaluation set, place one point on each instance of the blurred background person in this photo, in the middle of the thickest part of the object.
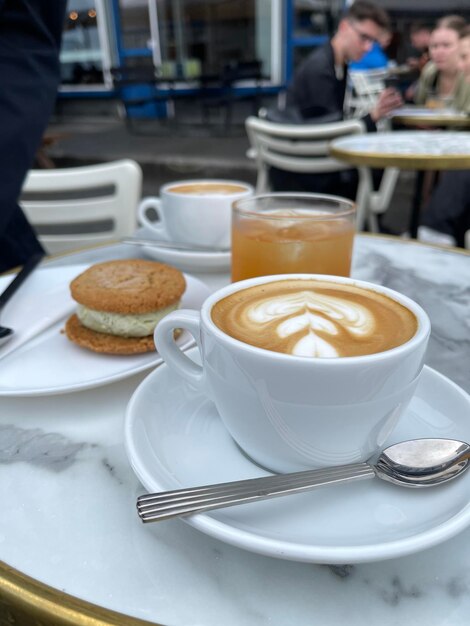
(441, 83)
(463, 104)
(376, 58)
(417, 53)
(317, 93)
(319, 85)
(446, 218)
(30, 36)
(464, 53)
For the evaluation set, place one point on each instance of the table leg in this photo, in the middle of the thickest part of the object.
(416, 206)
(364, 192)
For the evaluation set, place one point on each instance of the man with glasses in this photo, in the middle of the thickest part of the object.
(317, 92)
(319, 86)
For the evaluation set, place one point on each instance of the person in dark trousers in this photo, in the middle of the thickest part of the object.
(30, 36)
(318, 90)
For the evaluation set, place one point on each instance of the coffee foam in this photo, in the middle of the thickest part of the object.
(208, 189)
(315, 319)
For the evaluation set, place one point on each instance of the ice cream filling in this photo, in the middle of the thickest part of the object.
(123, 325)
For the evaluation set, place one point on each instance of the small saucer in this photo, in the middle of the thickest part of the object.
(175, 438)
(190, 260)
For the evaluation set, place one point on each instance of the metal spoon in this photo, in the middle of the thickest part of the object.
(414, 463)
(172, 245)
(5, 332)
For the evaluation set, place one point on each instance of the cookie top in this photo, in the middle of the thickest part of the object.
(128, 286)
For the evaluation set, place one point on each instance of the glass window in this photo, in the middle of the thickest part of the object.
(192, 38)
(88, 44)
(135, 24)
(81, 58)
(201, 36)
(315, 17)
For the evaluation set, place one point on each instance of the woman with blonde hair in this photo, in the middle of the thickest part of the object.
(441, 82)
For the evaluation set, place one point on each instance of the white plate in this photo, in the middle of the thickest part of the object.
(174, 438)
(189, 260)
(50, 363)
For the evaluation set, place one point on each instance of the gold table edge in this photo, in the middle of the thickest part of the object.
(411, 161)
(430, 121)
(25, 600)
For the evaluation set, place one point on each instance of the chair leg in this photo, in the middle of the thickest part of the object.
(379, 201)
(262, 182)
(372, 222)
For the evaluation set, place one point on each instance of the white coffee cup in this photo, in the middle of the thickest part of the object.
(290, 413)
(194, 212)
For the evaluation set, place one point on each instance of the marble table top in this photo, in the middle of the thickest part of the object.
(68, 500)
(414, 149)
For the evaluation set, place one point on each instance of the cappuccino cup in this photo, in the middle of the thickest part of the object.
(196, 212)
(305, 370)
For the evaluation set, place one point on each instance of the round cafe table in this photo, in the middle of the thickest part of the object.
(414, 116)
(407, 150)
(73, 551)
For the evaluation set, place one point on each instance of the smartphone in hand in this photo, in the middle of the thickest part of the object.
(392, 81)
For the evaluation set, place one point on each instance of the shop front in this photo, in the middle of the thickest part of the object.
(151, 51)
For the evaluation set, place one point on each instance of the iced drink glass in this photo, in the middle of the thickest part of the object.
(285, 233)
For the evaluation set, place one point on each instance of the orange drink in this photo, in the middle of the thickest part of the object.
(286, 233)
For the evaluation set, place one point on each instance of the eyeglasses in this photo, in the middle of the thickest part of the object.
(364, 37)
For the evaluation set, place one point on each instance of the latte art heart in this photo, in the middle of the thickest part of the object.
(310, 318)
(309, 313)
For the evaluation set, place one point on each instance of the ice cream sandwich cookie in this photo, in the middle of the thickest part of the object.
(119, 303)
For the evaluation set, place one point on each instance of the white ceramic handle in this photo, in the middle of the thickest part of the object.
(152, 203)
(169, 350)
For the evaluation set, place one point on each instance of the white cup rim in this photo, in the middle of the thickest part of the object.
(424, 324)
(248, 189)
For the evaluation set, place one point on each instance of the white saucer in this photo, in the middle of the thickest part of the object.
(50, 364)
(174, 438)
(192, 261)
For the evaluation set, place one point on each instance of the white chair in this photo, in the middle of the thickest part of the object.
(364, 89)
(300, 148)
(303, 148)
(75, 207)
(371, 203)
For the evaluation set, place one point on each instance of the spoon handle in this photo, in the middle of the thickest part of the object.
(168, 504)
(172, 245)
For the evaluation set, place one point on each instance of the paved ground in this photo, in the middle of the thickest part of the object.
(175, 149)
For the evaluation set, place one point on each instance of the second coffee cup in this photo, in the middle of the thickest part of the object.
(194, 212)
